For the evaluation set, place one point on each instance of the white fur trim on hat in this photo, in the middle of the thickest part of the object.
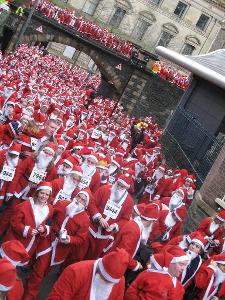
(94, 157)
(198, 242)
(50, 149)
(68, 162)
(76, 173)
(155, 263)
(222, 262)
(123, 182)
(116, 163)
(105, 274)
(221, 219)
(136, 210)
(4, 288)
(14, 152)
(177, 259)
(44, 187)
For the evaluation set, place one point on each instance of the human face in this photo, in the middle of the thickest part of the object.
(48, 153)
(221, 267)
(195, 247)
(120, 186)
(12, 156)
(43, 196)
(81, 198)
(91, 161)
(75, 178)
(175, 269)
(50, 129)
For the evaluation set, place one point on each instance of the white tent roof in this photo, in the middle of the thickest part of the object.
(209, 66)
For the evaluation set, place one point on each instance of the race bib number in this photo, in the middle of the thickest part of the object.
(85, 182)
(33, 142)
(111, 210)
(112, 179)
(7, 173)
(150, 188)
(61, 196)
(96, 134)
(37, 175)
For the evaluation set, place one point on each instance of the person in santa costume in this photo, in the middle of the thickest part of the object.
(66, 188)
(160, 281)
(110, 210)
(94, 279)
(8, 278)
(175, 200)
(8, 163)
(15, 253)
(213, 230)
(28, 223)
(69, 229)
(91, 177)
(210, 279)
(46, 134)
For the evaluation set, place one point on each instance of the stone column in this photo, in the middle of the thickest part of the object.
(204, 203)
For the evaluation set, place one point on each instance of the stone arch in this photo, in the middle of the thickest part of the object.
(108, 72)
(171, 28)
(147, 16)
(192, 40)
(125, 4)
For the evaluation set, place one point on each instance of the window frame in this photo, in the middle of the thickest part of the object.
(165, 31)
(116, 8)
(184, 12)
(135, 28)
(90, 1)
(189, 44)
(206, 25)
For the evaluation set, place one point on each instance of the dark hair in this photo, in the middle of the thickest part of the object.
(36, 194)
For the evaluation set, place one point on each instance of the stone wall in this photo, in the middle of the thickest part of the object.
(149, 94)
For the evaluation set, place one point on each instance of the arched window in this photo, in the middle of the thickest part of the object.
(168, 32)
(90, 7)
(121, 8)
(190, 45)
(145, 20)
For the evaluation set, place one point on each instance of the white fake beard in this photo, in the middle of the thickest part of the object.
(116, 193)
(213, 227)
(112, 169)
(124, 145)
(12, 162)
(169, 221)
(74, 208)
(158, 174)
(138, 168)
(145, 234)
(191, 254)
(102, 288)
(43, 161)
(174, 201)
(53, 117)
(61, 171)
(219, 276)
(68, 186)
(104, 137)
(87, 170)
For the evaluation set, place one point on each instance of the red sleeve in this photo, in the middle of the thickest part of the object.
(133, 292)
(203, 276)
(17, 221)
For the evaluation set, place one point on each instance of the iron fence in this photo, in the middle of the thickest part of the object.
(187, 144)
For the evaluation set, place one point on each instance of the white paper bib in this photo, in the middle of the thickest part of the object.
(96, 134)
(150, 189)
(61, 196)
(33, 142)
(85, 182)
(7, 173)
(112, 210)
(37, 175)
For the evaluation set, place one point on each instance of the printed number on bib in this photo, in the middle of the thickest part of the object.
(112, 179)
(62, 196)
(33, 143)
(37, 175)
(150, 188)
(7, 173)
(111, 210)
(85, 182)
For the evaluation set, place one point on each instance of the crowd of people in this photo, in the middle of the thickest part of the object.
(171, 74)
(87, 28)
(86, 187)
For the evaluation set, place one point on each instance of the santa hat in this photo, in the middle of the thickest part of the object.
(150, 212)
(8, 275)
(71, 161)
(182, 191)
(15, 148)
(93, 156)
(221, 215)
(14, 252)
(61, 143)
(198, 238)
(44, 185)
(77, 171)
(161, 260)
(113, 265)
(51, 147)
(178, 254)
(117, 161)
(120, 151)
(138, 208)
(124, 180)
(70, 134)
(180, 213)
(162, 168)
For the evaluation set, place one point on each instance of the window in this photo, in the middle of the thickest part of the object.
(202, 22)
(140, 29)
(117, 17)
(90, 7)
(188, 49)
(165, 39)
(180, 9)
(155, 1)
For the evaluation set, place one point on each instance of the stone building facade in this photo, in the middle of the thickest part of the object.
(186, 26)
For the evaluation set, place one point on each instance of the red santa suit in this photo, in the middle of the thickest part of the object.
(90, 178)
(114, 212)
(52, 251)
(28, 216)
(210, 280)
(82, 280)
